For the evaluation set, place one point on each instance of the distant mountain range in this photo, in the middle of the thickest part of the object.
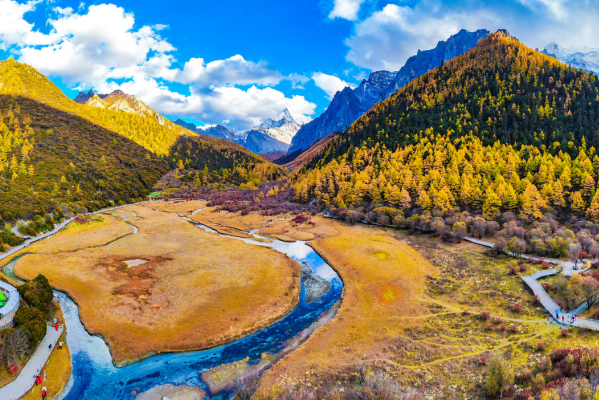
(587, 59)
(271, 137)
(350, 104)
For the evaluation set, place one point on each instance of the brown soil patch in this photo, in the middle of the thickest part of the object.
(197, 290)
(172, 392)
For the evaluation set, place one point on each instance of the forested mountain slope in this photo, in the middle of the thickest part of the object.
(499, 128)
(49, 157)
(21, 79)
(54, 150)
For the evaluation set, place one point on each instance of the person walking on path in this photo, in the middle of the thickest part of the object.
(557, 314)
(562, 319)
(44, 393)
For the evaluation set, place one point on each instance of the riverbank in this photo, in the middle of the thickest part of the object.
(183, 298)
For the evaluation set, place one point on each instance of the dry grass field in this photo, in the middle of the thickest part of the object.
(430, 337)
(233, 224)
(185, 289)
(184, 208)
(383, 282)
(103, 229)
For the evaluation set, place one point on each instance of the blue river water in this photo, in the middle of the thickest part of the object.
(95, 377)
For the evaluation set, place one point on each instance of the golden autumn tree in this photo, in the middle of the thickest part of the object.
(533, 204)
(492, 205)
(593, 210)
(577, 203)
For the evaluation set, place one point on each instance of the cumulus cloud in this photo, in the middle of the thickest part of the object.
(101, 47)
(329, 83)
(14, 29)
(241, 109)
(389, 36)
(346, 9)
(232, 71)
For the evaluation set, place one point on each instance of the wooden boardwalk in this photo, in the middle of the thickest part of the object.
(550, 305)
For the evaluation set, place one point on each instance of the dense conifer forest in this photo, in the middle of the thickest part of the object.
(500, 128)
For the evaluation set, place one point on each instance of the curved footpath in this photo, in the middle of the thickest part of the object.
(533, 283)
(20, 386)
(26, 379)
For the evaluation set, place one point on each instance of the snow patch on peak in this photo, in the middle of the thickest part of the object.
(584, 58)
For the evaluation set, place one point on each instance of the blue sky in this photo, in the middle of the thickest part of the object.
(239, 62)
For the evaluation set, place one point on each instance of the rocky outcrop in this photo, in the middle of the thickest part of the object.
(315, 286)
(119, 101)
(350, 104)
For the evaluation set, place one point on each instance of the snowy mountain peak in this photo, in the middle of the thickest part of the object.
(286, 117)
(585, 58)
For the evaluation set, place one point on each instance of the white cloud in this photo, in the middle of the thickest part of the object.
(555, 6)
(346, 9)
(329, 83)
(242, 109)
(14, 29)
(101, 47)
(389, 36)
(232, 71)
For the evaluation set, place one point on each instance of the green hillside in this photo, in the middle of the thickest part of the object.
(496, 129)
(54, 150)
(48, 157)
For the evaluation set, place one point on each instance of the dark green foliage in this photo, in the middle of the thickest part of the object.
(33, 324)
(232, 162)
(71, 159)
(37, 293)
(10, 239)
(501, 91)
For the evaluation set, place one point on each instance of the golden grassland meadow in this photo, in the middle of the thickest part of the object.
(170, 287)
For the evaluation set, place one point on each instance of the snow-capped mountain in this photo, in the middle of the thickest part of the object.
(271, 136)
(284, 127)
(585, 58)
(350, 104)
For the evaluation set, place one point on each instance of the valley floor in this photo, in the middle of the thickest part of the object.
(168, 287)
(411, 307)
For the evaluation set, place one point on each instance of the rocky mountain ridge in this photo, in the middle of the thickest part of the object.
(350, 104)
(271, 136)
(118, 101)
(586, 59)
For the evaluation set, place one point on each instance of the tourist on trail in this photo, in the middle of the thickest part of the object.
(44, 392)
(557, 314)
(562, 319)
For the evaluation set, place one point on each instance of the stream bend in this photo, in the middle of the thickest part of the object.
(94, 375)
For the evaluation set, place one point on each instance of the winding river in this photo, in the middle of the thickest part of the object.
(94, 375)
